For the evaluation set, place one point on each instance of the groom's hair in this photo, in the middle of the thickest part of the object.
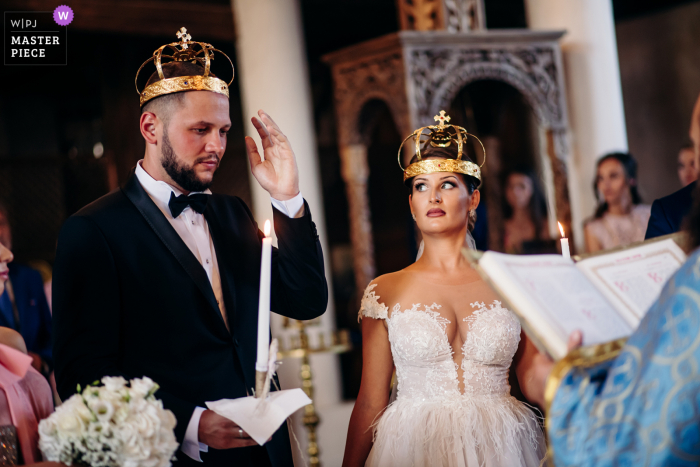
(165, 106)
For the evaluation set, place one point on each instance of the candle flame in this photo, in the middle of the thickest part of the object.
(266, 229)
(561, 229)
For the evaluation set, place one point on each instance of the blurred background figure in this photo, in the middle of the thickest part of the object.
(25, 396)
(23, 305)
(620, 218)
(669, 212)
(524, 210)
(687, 172)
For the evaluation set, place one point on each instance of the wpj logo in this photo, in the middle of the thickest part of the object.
(63, 15)
(37, 37)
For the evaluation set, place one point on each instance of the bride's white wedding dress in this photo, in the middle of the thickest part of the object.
(432, 423)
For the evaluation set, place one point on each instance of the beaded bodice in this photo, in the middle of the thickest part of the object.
(423, 356)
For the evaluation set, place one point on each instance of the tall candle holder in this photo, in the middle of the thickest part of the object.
(300, 348)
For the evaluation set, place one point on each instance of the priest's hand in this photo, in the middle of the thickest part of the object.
(541, 366)
(219, 432)
(278, 173)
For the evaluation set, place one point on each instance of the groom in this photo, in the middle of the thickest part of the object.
(160, 278)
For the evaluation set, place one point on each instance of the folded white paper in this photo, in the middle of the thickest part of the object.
(260, 418)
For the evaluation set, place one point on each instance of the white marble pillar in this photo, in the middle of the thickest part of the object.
(596, 113)
(273, 76)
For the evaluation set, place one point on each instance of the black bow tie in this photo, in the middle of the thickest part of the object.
(197, 201)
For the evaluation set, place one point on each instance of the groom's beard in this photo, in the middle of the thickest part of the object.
(183, 175)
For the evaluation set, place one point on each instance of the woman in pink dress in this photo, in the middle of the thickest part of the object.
(25, 396)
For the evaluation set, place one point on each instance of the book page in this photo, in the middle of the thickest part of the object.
(555, 298)
(632, 279)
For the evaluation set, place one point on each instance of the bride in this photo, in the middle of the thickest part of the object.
(450, 340)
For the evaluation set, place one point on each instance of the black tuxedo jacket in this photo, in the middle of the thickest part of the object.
(667, 213)
(130, 299)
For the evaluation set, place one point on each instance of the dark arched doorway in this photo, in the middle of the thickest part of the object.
(392, 225)
(504, 120)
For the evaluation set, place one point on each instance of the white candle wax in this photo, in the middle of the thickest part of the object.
(565, 248)
(264, 302)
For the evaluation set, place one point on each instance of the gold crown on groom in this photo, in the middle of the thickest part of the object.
(184, 51)
(441, 135)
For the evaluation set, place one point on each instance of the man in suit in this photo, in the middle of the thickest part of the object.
(161, 278)
(667, 213)
(23, 305)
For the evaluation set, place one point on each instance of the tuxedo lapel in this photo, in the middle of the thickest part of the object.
(167, 234)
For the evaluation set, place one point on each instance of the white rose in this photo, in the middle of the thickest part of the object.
(140, 387)
(69, 424)
(138, 405)
(48, 439)
(47, 428)
(113, 383)
(115, 397)
(76, 405)
(147, 421)
(132, 447)
(167, 419)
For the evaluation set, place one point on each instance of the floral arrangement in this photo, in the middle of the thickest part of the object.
(109, 425)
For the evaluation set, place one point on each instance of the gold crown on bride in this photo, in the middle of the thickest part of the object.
(184, 51)
(441, 135)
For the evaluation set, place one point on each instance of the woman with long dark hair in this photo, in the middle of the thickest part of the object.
(524, 210)
(620, 218)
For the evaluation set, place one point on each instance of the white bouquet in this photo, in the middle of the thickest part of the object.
(116, 424)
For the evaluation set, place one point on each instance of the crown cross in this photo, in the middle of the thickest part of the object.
(442, 118)
(182, 34)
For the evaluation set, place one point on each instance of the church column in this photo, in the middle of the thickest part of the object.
(273, 76)
(596, 113)
(355, 172)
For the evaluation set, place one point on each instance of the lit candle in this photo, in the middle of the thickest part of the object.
(564, 243)
(264, 302)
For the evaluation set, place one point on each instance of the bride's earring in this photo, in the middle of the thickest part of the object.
(413, 216)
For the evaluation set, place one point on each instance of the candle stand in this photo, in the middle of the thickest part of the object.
(300, 348)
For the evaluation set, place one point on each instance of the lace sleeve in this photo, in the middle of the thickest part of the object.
(370, 306)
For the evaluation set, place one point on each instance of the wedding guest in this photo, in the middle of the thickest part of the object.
(23, 305)
(25, 396)
(524, 210)
(620, 218)
(687, 172)
(667, 213)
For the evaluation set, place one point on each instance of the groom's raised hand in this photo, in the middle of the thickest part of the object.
(278, 173)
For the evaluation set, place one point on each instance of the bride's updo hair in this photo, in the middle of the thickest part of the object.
(450, 152)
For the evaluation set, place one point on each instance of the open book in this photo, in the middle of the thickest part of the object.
(605, 295)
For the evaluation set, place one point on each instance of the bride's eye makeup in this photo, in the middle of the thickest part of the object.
(448, 185)
(420, 186)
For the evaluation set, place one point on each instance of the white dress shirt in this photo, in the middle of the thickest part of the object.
(193, 229)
